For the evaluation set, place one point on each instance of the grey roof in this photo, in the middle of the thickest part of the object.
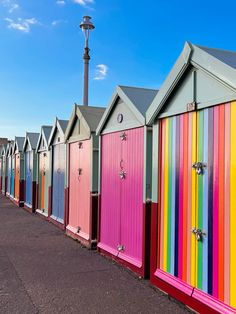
(63, 124)
(33, 139)
(220, 64)
(47, 131)
(92, 115)
(136, 98)
(140, 97)
(226, 56)
(20, 142)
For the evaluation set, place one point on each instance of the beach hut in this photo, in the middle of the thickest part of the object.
(9, 168)
(19, 171)
(30, 170)
(82, 188)
(43, 171)
(58, 172)
(193, 251)
(3, 144)
(125, 178)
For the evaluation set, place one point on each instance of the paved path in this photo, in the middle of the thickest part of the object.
(43, 271)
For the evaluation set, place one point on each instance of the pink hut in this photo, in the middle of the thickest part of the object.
(125, 178)
(82, 190)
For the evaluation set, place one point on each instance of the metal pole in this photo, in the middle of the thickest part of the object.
(86, 58)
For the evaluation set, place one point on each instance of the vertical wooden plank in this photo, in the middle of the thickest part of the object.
(163, 133)
(227, 206)
(177, 167)
(205, 205)
(189, 205)
(181, 177)
(210, 196)
(173, 187)
(216, 204)
(199, 202)
(185, 196)
(169, 195)
(193, 240)
(165, 222)
(221, 201)
(233, 206)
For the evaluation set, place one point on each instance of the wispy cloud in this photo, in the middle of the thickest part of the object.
(22, 25)
(101, 72)
(57, 22)
(83, 2)
(9, 5)
(60, 2)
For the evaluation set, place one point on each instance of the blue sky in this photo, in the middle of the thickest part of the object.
(41, 48)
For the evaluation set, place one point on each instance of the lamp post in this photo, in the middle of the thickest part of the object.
(86, 25)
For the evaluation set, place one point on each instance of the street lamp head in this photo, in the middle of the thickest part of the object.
(86, 25)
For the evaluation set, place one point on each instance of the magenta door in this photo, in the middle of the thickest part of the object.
(79, 188)
(110, 192)
(122, 194)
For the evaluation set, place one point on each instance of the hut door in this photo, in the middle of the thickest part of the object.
(197, 182)
(17, 177)
(83, 178)
(61, 181)
(131, 207)
(13, 176)
(55, 181)
(9, 175)
(29, 176)
(110, 192)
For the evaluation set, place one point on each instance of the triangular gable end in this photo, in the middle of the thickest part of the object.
(199, 87)
(57, 134)
(27, 146)
(77, 128)
(193, 83)
(121, 117)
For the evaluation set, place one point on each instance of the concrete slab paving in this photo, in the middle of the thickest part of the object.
(44, 271)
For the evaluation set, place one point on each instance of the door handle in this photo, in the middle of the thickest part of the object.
(198, 233)
(122, 174)
(199, 167)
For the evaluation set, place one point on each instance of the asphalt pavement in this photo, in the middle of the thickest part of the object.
(44, 271)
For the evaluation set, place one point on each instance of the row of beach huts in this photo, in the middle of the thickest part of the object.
(150, 181)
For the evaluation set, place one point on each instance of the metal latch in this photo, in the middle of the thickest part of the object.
(122, 174)
(78, 229)
(120, 247)
(199, 167)
(198, 233)
(80, 171)
(123, 136)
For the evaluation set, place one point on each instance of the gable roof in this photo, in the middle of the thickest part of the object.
(61, 126)
(220, 64)
(44, 134)
(19, 143)
(91, 115)
(32, 138)
(136, 98)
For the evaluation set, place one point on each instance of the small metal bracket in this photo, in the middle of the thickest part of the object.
(80, 171)
(80, 145)
(120, 247)
(78, 229)
(191, 106)
(198, 233)
(199, 167)
(123, 136)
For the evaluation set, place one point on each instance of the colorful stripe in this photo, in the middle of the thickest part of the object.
(233, 207)
(206, 201)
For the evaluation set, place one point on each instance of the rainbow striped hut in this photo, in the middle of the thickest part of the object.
(193, 253)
